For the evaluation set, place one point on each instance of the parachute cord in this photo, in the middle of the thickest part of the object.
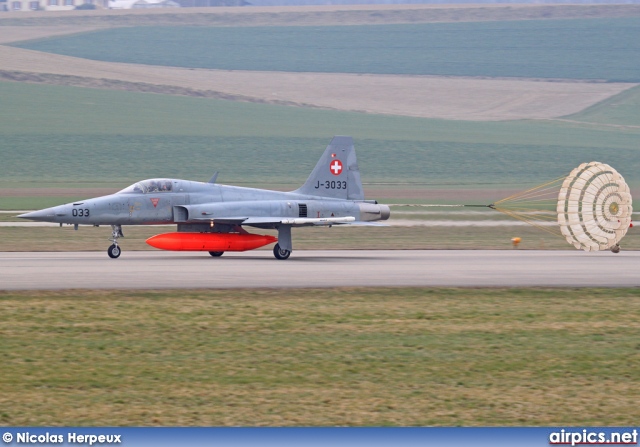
(530, 222)
(536, 200)
(548, 195)
(519, 194)
(531, 190)
(551, 191)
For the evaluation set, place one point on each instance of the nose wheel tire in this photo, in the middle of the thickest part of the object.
(114, 251)
(279, 253)
(615, 249)
(216, 254)
(116, 232)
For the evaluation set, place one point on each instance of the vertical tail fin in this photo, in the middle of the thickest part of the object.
(336, 174)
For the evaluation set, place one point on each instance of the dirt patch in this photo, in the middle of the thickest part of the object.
(314, 15)
(418, 96)
(142, 87)
(18, 33)
(453, 98)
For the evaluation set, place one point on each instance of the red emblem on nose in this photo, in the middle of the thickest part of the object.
(335, 167)
(155, 202)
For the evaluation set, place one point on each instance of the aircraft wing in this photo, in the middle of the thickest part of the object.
(301, 221)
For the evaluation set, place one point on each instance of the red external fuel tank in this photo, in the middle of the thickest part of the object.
(210, 241)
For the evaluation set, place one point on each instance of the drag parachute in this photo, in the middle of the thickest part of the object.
(594, 207)
(591, 207)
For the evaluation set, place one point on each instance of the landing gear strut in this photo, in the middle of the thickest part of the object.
(283, 248)
(116, 232)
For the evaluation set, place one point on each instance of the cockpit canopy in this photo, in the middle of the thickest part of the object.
(155, 185)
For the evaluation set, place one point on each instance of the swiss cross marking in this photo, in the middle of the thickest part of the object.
(335, 167)
(155, 202)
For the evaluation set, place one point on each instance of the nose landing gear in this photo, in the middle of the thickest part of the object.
(114, 250)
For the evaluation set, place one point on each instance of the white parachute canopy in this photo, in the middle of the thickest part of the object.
(591, 207)
(594, 207)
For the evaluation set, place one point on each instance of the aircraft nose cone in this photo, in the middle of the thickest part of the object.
(42, 215)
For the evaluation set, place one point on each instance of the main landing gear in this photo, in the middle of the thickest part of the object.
(281, 253)
(116, 232)
(283, 248)
(216, 254)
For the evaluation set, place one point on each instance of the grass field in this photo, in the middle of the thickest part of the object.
(436, 97)
(622, 110)
(320, 357)
(110, 139)
(96, 239)
(538, 49)
(427, 236)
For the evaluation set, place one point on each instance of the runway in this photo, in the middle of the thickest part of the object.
(318, 269)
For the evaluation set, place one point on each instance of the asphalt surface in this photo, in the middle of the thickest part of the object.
(179, 270)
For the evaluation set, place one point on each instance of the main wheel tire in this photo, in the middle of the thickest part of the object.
(615, 249)
(279, 253)
(216, 254)
(114, 251)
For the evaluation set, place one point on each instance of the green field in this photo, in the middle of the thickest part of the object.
(444, 237)
(604, 49)
(347, 357)
(111, 139)
(622, 109)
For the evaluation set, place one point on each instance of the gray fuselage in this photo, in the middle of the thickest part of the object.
(197, 202)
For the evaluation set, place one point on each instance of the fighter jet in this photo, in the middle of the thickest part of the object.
(210, 217)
